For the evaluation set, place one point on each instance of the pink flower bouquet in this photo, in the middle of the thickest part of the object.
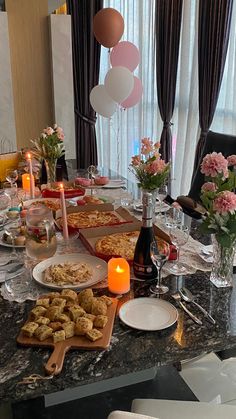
(49, 146)
(148, 167)
(219, 198)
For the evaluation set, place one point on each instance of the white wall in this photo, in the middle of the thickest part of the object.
(63, 79)
(7, 118)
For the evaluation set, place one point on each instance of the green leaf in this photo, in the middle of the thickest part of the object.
(224, 240)
(231, 225)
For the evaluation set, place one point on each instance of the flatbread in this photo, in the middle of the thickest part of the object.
(85, 219)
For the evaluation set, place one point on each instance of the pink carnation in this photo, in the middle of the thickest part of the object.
(157, 166)
(232, 160)
(147, 146)
(135, 160)
(48, 131)
(225, 202)
(157, 145)
(214, 164)
(209, 187)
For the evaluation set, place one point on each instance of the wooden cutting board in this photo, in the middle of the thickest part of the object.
(55, 363)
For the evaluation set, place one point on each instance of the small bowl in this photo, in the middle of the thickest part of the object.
(101, 180)
(82, 181)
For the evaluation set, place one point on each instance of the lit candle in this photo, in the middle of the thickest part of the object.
(26, 182)
(32, 195)
(64, 214)
(118, 276)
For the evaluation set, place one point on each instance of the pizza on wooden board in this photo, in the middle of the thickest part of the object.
(85, 219)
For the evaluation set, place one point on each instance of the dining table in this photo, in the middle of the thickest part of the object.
(130, 351)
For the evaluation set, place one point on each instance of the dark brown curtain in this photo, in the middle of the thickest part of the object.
(168, 24)
(86, 63)
(213, 36)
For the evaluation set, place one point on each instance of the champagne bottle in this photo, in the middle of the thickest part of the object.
(143, 266)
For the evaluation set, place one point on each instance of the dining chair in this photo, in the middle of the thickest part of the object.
(172, 409)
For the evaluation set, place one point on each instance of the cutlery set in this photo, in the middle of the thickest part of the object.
(185, 295)
(10, 270)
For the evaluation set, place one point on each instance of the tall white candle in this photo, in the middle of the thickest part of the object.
(32, 193)
(64, 214)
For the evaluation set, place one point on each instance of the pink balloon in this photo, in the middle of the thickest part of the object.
(135, 95)
(125, 54)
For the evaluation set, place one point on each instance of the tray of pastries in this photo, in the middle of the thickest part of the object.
(65, 320)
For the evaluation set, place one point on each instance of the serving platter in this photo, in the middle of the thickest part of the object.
(98, 266)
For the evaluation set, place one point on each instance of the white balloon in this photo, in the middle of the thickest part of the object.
(101, 102)
(119, 82)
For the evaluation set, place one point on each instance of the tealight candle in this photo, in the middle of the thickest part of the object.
(32, 195)
(64, 214)
(118, 276)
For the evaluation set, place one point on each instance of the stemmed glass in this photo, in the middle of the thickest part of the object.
(12, 230)
(11, 176)
(162, 193)
(159, 256)
(179, 234)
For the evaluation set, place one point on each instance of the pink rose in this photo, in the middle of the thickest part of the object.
(225, 202)
(214, 164)
(232, 160)
(157, 145)
(157, 166)
(48, 131)
(209, 187)
(135, 160)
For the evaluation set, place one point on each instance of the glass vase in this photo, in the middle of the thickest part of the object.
(222, 266)
(51, 165)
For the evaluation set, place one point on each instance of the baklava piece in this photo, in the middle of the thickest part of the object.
(85, 294)
(100, 321)
(55, 326)
(86, 304)
(44, 302)
(63, 318)
(42, 320)
(60, 302)
(69, 295)
(107, 300)
(69, 329)
(99, 307)
(83, 326)
(43, 332)
(76, 312)
(89, 316)
(59, 336)
(94, 335)
(29, 329)
(53, 295)
(38, 311)
(53, 312)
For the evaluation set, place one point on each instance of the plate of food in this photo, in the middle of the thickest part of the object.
(53, 204)
(75, 271)
(6, 238)
(70, 189)
(92, 200)
(114, 184)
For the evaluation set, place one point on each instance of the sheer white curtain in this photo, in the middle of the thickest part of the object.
(118, 138)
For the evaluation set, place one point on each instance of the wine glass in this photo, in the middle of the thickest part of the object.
(179, 234)
(11, 176)
(12, 192)
(159, 255)
(12, 230)
(162, 193)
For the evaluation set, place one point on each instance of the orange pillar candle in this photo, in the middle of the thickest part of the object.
(118, 276)
(26, 182)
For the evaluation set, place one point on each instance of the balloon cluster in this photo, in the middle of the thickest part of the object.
(120, 85)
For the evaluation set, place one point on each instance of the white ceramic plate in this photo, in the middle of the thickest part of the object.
(3, 243)
(98, 266)
(114, 184)
(148, 314)
(164, 207)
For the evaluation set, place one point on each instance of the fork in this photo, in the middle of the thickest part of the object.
(177, 298)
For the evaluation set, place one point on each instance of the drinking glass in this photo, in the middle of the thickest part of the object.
(12, 192)
(12, 230)
(179, 234)
(41, 240)
(162, 193)
(159, 256)
(11, 176)
(5, 200)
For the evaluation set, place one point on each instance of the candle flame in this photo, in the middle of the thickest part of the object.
(28, 155)
(61, 186)
(119, 270)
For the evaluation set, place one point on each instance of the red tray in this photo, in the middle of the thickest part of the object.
(48, 193)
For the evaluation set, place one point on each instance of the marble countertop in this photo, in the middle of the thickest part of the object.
(130, 350)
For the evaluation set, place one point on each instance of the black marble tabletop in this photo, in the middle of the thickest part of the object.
(130, 350)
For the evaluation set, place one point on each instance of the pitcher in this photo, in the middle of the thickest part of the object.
(40, 233)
